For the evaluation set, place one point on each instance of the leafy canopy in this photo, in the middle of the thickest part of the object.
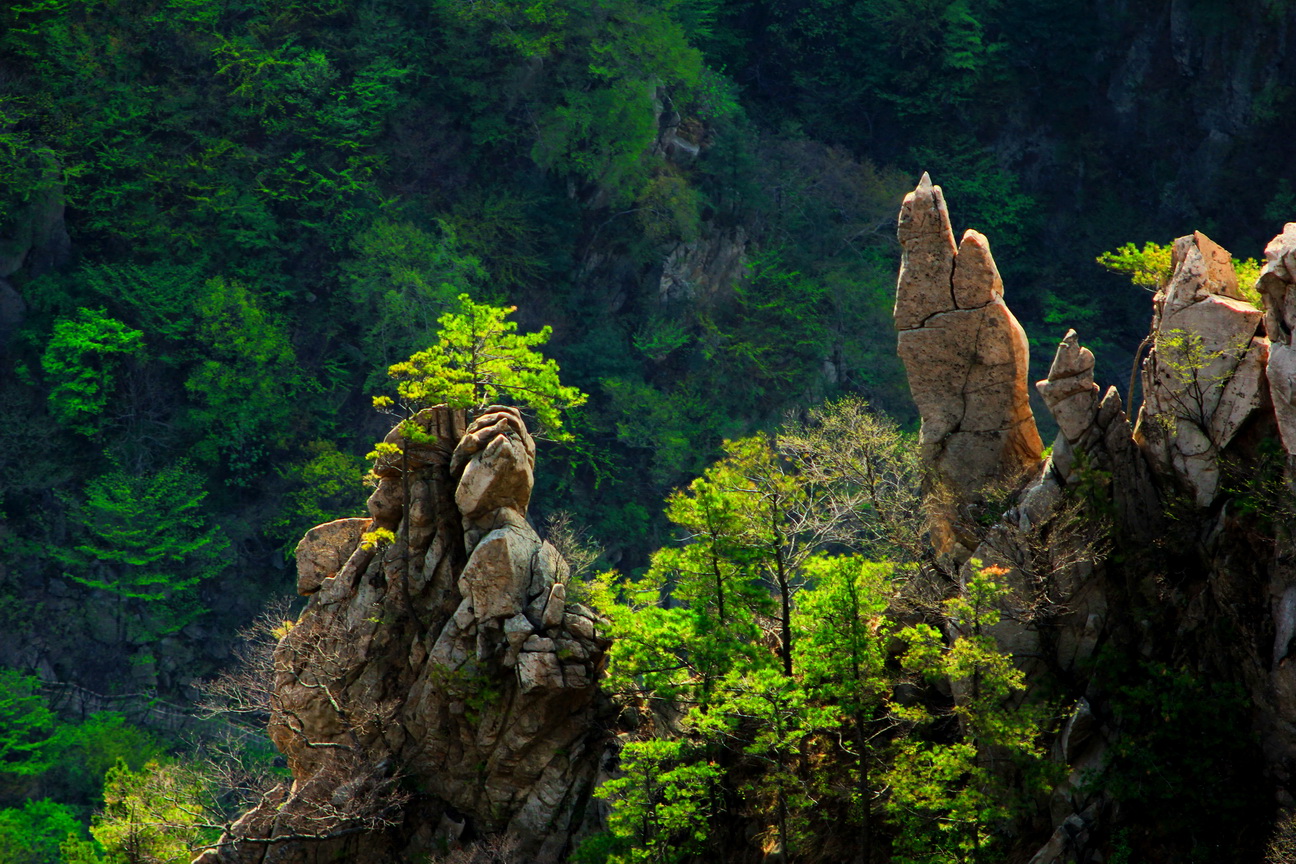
(80, 362)
(479, 359)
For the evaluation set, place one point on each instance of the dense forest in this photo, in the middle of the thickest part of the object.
(222, 222)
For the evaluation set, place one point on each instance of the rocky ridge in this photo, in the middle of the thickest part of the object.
(1218, 385)
(445, 661)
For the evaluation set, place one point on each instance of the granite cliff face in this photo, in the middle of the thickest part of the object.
(1141, 539)
(437, 687)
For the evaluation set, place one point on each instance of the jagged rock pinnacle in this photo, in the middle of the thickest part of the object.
(965, 353)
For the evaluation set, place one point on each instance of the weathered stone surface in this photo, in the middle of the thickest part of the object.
(498, 572)
(323, 551)
(927, 257)
(965, 353)
(497, 456)
(553, 610)
(1204, 337)
(420, 658)
(1281, 374)
(976, 278)
(1070, 392)
(709, 263)
(1277, 285)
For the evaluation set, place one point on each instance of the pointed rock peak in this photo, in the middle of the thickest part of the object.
(976, 278)
(1071, 358)
(924, 213)
(927, 261)
(1201, 267)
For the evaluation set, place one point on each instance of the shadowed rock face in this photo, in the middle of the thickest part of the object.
(965, 353)
(448, 660)
(1278, 288)
(1219, 385)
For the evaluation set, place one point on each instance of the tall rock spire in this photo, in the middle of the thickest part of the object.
(965, 353)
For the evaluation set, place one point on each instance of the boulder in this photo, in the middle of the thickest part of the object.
(323, 551)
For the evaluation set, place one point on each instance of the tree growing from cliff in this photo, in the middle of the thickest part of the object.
(479, 359)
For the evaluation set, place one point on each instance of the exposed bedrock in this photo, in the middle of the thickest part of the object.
(1204, 375)
(1277, 287)
(445, 666)
(1194, 582)
(965, 353)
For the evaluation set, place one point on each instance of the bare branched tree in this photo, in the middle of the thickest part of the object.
(574, 544)
(871, 474)
(346, 782)
(245, 690)
(498, 849)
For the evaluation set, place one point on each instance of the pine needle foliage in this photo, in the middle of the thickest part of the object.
(480, 359)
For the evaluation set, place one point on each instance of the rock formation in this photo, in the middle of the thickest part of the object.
(1219, 388)
(443, 670)
(1277, 286)
(965, 353)
(1202, 378)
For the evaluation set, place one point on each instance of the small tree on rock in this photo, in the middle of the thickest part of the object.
(479, 359)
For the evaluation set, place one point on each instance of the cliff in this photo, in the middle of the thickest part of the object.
(1141, 552)
(437, 688)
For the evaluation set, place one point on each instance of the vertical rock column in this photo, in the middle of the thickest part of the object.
(1202, 378)
(965, 353)
(1278, 288)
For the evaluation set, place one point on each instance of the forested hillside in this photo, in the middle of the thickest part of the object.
(222, 221)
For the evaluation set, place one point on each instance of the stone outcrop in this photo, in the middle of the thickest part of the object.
(965, 353)
(1202, 378)
(448, 662)
(1088, 538)
(1277, 287)
(1095, 442)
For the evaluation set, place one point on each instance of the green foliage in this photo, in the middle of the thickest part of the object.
(1148, 267)
(842, 628)
(85, 752)
(768, 715)
(26, 726)
(160, 813)
(34, 833)
(402, 280)
(1152, 266)
(81, 362)
(243, 387)
(980, 192)
(949, 793)
(660, 806)
(146, 538)
(1183, 756)
(480, 358)
(327, 485)
(743, 343)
